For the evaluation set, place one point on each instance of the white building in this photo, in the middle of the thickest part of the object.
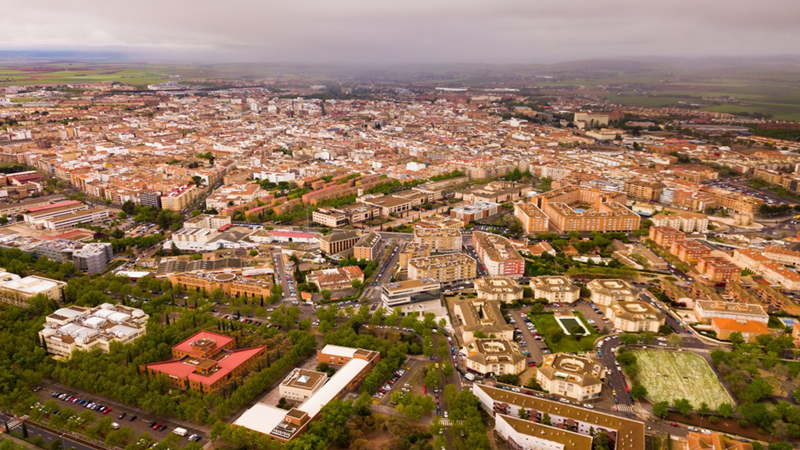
(77, 328)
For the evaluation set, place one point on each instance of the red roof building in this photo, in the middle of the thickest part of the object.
(205, 362)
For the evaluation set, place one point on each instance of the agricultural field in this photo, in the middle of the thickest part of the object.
(672, 375)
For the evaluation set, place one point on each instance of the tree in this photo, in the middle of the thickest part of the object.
(326, 294)
(628, 339)
(522, 413)
(736, 338)
(431, 378)
(638, 391)
(675, 341)
(557, 337)
(537, 308)
(546, 419)
(683, 406)
(355, 283)
(253, 253)
(447, 369)
(703, 409)
(661, 409)
(757, 389)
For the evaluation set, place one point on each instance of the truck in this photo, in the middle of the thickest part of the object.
(180, 431)
(469, 376)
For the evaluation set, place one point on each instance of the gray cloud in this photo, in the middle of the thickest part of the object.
(408, 31)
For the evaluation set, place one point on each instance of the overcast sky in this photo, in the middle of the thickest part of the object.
(405, 31)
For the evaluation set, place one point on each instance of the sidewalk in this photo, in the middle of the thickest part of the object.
(17, 440)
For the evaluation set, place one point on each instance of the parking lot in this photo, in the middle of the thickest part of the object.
(740, 188)
(135, 418)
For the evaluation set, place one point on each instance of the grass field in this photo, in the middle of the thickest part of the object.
(672, 375)
(547, 325)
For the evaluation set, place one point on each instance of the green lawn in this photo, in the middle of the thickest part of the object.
(672, 375)
(547, 325)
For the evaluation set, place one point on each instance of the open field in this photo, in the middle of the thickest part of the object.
(547, 325)
(672, 375)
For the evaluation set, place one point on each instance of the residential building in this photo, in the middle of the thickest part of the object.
(475, 211)
(689, 251)
(449, 268)
(335, 278)
(623, 433)
(705, 310)
(498, 255)
(368, 247)
(783, 256)
(412, 251)
(329, 217)
(555, 289)
(778, 274)
(439, 240)
(234, 195)
(496, 192)
(718, 270)
(687, 222)
(665, 236)
(179, 198)
(151, 199)
(571, 376)
(594, 210)
(78, 328)
(608, 292)
(495, 356)
(413, 296)
(635, 316)
(301, 384)
(391, 205)
(481, 317)
(205, 362)
(503, 289)
(16, 290)
(339, 242)
(533, 219)
(750, 329)
(208, 221)
(91, 258)
(749, 258)
(714, 441)
(649, 191)
(232, 285)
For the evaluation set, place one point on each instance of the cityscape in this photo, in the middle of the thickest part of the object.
(309, 241)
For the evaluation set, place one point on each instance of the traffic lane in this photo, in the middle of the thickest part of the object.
(143, 418)
(280, 271)
(49, 437)
(614, 377)
(533, 345)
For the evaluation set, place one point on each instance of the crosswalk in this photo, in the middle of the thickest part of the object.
(624, 408)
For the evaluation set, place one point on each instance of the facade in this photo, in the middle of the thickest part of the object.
(449, 268)
(78, 328)
(533, 219)
(412, 251)
(666, 236)
(608, 292)
(779, 274)
(329, 217)
(498, 255)
(782, 256)
(714, 441)
(685, 221)
(635, 316)
(571, 376)
(16, 290)
(718, 270)
(503, 289)
(749, 258)
(689, 251)
(574, 208)
(37, 215)
(389, 205)
(208, 221)
(335, 243)
(231, 284)
(475, 211)
(301, 384)
(179, 198)
(413, 296)
(439, 240)
(495, 356)
(623, 433)
(481, 317)
(750, 329)
(368, 247)
(91, 258)
(205, 362)
(649, 191)
(555, 289)
(706, 310)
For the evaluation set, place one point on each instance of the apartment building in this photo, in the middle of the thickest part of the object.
(689, 251)
(301, 384)
(335, 278)
(231, 284)
(665, 236)
(503, 289)
(150, 198)
(91, 258)
(78, 328)
(495, 356)
(16, 290)
(449, 268)
(475, 211)
(85, 217)
(608, 292)
(740, 203)
(685, 221)
(341, 216)
(635, 316)
(37, 216)
(714, 441)
(439, 240)
(706, 310)
(623, 433)
(413, 296)
(555, 289)
(718, 270)
(778, 274)
(533, 219)
(648, 191)
(340, 242)
(330, 217)
(208, 221)
(179, 198)
(481, 317)
(495, 192)
(205, 362)
(411, 251)
(391, 205)
(571, 376)
(783, 256)
(749, 258)
(368, 247)
(575, 208)
(498, 255)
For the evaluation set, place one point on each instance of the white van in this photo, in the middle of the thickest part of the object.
(115, 425)
(180, 431)
(469, 376)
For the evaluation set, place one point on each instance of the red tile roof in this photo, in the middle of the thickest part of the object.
(220, 339)
(182, 369)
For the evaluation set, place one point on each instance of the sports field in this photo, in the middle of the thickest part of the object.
(672, 375)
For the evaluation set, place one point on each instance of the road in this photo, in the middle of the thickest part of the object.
(384, 272)
(47, 436)
(281, 275)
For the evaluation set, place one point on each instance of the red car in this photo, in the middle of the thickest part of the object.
(156, 426)
(108, 410)
(675, 425)
(532, 364)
